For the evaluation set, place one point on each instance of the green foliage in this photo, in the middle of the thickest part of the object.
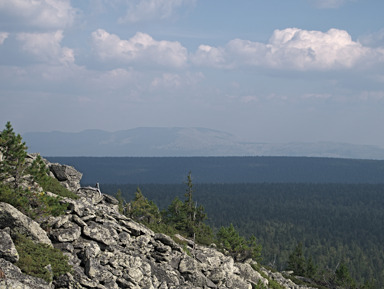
(343, 277)
(17, 198)
(49, 205)
(333, 221)
(34, 258)
(40, 174)
(259, 285)
(175, 215)
(31, 204)
(14, 153)
(296, 261)
(13, 165)
(272, 284)
(122, 202)
(144, 210)
(188, 218)
(230, 241)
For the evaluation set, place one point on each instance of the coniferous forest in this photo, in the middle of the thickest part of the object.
(331, 232)
(325, 214)
(336, 224)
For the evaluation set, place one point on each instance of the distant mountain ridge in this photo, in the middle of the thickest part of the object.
(182, 141)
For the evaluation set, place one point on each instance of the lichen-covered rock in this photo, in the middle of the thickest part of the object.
(69, 233)
(7, 248)
(67, 175)
(15, 279)
(20, 223)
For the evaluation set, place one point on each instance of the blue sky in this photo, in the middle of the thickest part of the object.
(265, 71)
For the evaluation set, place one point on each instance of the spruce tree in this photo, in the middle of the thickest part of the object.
(14, 152)
(144, 210)
(296, 261)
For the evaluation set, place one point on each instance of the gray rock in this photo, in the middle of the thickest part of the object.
(110, 200)
(249, 274)
(92, 195)
(69, 234)
(66, 281)
(136, 229)
(20, 223)
(15, 279)
(7, 248)
(100, 233)
(68, 175)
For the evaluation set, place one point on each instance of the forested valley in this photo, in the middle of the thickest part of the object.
(335, 224)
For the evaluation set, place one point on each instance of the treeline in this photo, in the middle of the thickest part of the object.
(187, 218)
(173, 170)
(336, 223)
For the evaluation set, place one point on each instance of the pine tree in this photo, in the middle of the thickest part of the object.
(311, 268)
(144, 210)
(343, 278)
(14, 152)
(230, 241)
(296, 261)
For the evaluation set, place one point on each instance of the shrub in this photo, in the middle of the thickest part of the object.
(34, 259)
(17, 198)
(229, 240)
(40, 174)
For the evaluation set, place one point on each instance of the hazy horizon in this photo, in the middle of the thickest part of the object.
(263, 71)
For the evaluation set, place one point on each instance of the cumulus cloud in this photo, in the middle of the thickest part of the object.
(40, 14)
(141, 48)
(3, 36)
(291, 48)
(209, 56)
(141, 10)
(46, 47)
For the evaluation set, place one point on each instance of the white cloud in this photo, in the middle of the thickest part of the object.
(46, 47)
(41, 14)
(141, 10)
(141, 48)
(209, 56)
(291, 48)
(3, 36)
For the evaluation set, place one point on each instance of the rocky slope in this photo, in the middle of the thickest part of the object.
(109, 250)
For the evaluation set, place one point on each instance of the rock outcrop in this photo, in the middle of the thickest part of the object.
(20, 223)
(108, 250)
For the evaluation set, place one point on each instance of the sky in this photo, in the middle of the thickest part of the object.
(263, 70)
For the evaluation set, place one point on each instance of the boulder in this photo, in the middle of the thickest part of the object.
(105, 235)
(20, 223)
(68, 234)
(92, 195)
(67, 175)
(15, 279)
(7, 248)
(249, 274)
